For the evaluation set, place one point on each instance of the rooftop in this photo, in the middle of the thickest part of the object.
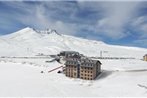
(83, 61)
(69, 52)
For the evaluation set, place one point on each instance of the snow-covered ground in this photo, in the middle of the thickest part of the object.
(119, 78)
(22, 77)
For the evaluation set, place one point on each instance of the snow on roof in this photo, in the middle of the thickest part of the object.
(87, 62)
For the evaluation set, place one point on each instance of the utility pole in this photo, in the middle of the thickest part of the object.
(101, 53)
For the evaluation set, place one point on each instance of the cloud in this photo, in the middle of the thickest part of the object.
(104, 18)
(139, 25)
(93, 20)
(45, 20)
(117, 15)
(107, 28)
(42, 15)
(112, 17)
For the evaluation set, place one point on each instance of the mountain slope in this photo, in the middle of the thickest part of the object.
(29, 42)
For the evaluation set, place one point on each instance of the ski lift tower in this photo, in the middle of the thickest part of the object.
(101, 53)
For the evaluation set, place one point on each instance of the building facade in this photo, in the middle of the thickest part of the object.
(89, 69)
(66, 55)
(71, 69)
(84, 68)
(145, 57)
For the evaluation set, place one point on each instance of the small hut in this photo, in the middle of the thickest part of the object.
(145, 57)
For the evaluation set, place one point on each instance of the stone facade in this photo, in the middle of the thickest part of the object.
(84, 68)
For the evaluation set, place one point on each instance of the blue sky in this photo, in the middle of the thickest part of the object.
(120, 23)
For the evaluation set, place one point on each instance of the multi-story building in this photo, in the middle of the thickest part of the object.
(89, 69)
(84, 68)
(145, 57)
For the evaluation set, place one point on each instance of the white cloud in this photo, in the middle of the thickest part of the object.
(117, 15)
(139, 24)
(113, 17)
(65, 28)
(39, 17)
(137, 21)
(106, 27)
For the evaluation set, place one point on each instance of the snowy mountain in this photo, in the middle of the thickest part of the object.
(121, 77)
(30, 42)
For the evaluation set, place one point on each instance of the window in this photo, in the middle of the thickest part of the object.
(75, 74)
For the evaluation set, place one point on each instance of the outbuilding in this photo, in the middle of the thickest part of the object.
(145, 57)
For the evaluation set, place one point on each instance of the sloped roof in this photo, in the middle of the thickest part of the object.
(83, 62)
(145, 55)
(71, 62)
(69, 52)
(89, 62)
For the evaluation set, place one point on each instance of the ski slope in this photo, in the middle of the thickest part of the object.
(30, 42)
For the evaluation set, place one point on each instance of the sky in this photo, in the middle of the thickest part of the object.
(113, 22)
